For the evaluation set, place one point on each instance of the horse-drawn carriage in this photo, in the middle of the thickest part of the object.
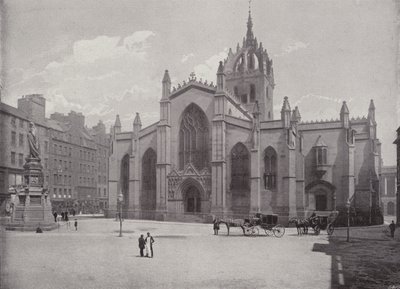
(252, 226)
(317, 221)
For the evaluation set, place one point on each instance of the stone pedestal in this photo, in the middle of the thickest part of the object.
(32, 206)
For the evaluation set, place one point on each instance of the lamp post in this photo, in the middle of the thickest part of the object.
(120, 200)
(348, 220)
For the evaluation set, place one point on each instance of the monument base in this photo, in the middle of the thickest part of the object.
(31, 205)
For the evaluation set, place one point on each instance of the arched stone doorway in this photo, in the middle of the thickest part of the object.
(149, 182)
(320, 196)
(192, 200)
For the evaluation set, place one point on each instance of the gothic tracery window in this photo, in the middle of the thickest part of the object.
(240, 166)
(148, 198)
(193, 138)
(270, 168)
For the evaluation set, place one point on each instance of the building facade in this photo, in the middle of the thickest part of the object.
(217, 150)
(388, 182)
(72, 155)
(397, 143)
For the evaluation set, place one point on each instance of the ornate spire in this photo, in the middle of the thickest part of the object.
(286, 105)
(344, 108)
(117, 121)
(249, 34)
(137, 120)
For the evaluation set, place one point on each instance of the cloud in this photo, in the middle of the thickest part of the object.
(88, 51)
(208, 69)
(186, 57)
(292, 47)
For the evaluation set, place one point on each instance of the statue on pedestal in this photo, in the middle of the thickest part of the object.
(34, 146)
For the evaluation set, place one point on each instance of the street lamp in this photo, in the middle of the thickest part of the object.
(348, 220)
(120, 200)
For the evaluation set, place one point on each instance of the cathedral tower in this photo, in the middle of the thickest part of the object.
(249, 74)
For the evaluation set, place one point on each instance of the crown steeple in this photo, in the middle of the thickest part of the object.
(249, 34)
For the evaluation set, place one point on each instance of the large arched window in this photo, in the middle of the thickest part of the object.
(193, 138)
(148, 196)
(270, 168)
(125, 178)
(240, 166)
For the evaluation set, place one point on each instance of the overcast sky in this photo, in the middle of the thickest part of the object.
(108, 57)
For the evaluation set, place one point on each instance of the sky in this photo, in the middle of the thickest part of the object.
(104, 58)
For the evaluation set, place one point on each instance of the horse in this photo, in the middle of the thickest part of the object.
(301, 225)
(232, 223)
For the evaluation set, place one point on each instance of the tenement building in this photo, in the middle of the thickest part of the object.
(388, 182)
(218, 150)
(397, 143)
(73, 156)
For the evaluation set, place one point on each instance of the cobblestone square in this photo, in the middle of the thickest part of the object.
(185, 256)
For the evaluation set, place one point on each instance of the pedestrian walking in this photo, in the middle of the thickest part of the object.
(392, 228)
(149, 245)
(76, 225)
(216, 226)
(55, 216)
(62, 215)
(142, 245)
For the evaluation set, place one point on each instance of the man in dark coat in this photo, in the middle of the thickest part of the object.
(55, 216)
(141, 245)
(392, 228)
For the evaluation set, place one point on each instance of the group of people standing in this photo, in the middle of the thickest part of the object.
(147, 245)
(65, 218)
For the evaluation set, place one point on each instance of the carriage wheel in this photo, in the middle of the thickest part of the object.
(317, 229)
(330, 229)
(279, 231)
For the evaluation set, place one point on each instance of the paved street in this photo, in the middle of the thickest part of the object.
(186, 256)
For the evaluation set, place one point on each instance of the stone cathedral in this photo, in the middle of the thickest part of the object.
(219, 151)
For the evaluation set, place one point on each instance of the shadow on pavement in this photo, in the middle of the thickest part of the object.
(362, 263)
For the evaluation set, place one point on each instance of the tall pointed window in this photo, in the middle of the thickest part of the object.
(270, 169)
(240, 167)
(148, 196)
(252, 93)
(193, 138)
(125, 178)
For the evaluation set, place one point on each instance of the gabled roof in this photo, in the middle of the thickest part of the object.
(209, 88)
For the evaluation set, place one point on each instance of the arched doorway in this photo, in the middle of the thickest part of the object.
(124, 180)
(149, 182)
(192, 200)
(390, 209)
(320, 196)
